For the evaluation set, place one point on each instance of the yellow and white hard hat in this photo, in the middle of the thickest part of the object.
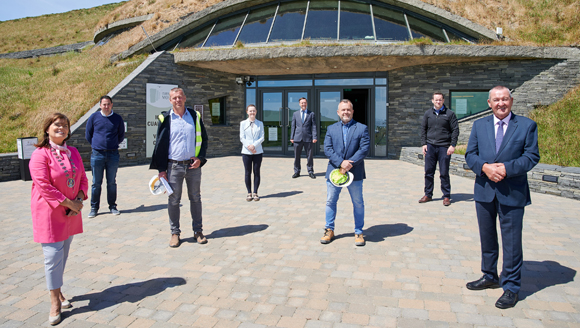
(156, 187)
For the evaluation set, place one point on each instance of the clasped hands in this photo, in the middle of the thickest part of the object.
(495, 171)
(345, 166)
(75, 206)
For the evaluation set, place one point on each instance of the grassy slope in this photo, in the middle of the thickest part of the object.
(72, 83)
(51, 30)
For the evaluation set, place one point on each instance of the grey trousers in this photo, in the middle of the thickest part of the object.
(176, 173)
(55, 256)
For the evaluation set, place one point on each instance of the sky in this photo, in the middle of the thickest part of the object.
(13, 9)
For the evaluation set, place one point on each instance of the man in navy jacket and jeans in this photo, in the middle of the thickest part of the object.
(439, 133)
(105, 131)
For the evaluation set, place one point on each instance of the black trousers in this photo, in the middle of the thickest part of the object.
(309, 148)
(437, 154)
(252, 162)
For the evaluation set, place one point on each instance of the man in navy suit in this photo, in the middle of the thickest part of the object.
(303, 135)
(346, 145)
(502, 149)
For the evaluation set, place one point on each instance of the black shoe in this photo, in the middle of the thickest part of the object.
(296, 175)
(482, 283)
(312, 175)
(507, 300)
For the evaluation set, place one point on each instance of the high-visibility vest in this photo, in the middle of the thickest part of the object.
(198, 139)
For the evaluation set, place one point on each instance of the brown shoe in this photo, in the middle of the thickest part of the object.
(328, 236)
(175, 241)
(425, 199)
(200, 238)
(446, 201)
(359, 240)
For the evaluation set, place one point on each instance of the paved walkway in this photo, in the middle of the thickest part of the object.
(264, 265)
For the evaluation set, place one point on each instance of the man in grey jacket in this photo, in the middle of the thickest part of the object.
(439, 133)
(303, 135)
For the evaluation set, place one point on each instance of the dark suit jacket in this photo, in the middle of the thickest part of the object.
(303, 131)
(518, 152)
(161, 151)
(357, 148)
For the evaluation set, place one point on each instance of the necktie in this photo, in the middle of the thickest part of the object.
(499, 136)
(303, 116)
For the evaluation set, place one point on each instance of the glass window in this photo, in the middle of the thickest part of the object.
(422, 29)
(344, 82)
(329, 101)
(381, 121)
(217, 108)
(225, 32)
(355, 21)
(250, 97)
(196, 39)
(465, 103)
(287, 83)
(322, 21)
(380, 81)
(390, 25)
(289, 22)
(257, 25)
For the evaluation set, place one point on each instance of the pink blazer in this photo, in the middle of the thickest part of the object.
(49, 188)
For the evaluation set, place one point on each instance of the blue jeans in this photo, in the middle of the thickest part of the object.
(101, 161)
(356, 195)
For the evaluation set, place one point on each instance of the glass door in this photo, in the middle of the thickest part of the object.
(277, 110)
(292, 106)
(328, 101)
(272, 116)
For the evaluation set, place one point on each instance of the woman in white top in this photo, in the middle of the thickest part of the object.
(252, 136)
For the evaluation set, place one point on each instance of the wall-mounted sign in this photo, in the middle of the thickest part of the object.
(157, 101)
(123, 144)
(26, 147)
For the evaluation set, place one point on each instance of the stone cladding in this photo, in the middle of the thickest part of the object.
(410, 90)
(567, 184)
(199, 85)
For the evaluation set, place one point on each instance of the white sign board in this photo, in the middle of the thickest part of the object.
(157, 101)
(26, 147)
(272, 134)
(123, 144)
(461, 106)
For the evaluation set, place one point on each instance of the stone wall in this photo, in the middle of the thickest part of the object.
(9, 167)
(199, 85)
(543, 178)
(410, 91)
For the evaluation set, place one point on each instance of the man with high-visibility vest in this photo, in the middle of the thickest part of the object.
(179, 154)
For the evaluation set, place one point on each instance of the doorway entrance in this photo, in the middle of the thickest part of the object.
(277, 110)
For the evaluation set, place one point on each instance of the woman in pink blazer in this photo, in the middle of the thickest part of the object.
(59, 186)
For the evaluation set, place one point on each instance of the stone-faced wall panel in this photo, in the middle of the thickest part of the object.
(199, 85)
(410, 91)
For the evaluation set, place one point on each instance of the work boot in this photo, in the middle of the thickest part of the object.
(328, 236)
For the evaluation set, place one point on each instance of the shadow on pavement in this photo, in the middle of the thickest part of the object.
(538, 275)
(461, 198)
(143, 208)
(231, 232)
(282, 194)
(133, 292)
(380, 232)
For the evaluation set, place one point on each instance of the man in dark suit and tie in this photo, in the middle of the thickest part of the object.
(346, 145)
(502, 149)
(303, 135)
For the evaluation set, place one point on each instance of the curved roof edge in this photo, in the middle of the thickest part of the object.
(327, 59)
(228, 6)
(118, 25)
